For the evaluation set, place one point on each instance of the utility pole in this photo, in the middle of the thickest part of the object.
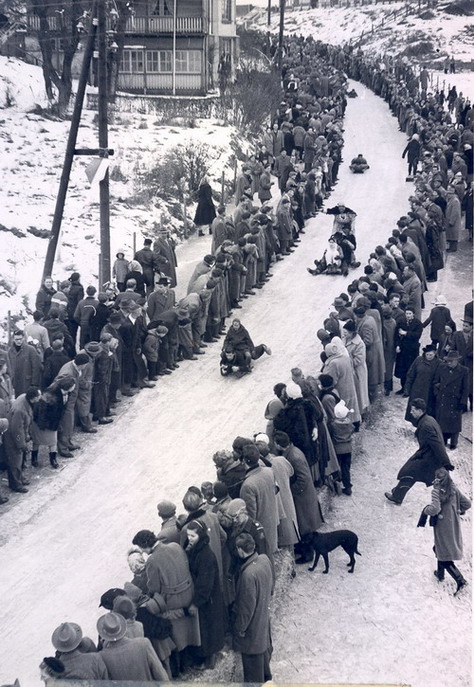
(71, 143)
(280, 33)
(269, 12)
(104, 194)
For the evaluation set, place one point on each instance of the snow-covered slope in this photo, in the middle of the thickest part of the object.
(422, 34)
(32, 152)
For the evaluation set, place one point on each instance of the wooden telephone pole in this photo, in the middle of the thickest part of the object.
(98, 25)
(280, 32)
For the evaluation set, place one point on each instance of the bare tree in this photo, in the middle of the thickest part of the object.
(65, 20)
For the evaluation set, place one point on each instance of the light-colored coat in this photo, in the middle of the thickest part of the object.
(339, 366)
(288, 527)
(259, 493)
(356, 350)
(453, 217)
(447, 531)
(374, 357)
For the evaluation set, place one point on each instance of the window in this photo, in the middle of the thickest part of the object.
(162, 9)
(227, 10)
(132, 62)
(158, 61)
(188, 61)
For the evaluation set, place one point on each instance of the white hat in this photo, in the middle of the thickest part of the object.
(261, 436)
(293, 390)
(341, 410)
(440, 300)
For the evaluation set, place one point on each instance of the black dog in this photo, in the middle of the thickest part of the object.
(324, 542)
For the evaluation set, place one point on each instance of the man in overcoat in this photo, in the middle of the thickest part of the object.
(24, 364)
(259, 493)
(17, 437)
(251, 622)
(431, 455)
(451, 388)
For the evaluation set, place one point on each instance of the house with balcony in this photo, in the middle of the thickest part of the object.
(178, 47)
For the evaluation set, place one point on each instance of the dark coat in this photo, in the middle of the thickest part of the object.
(451, 387)
(251, 626)
(24, 366)
(298, 419)
(409, 345)
(47, 413)
(438, 318)
(52, 364)
(43, 300)
(133, 659)
(308, 510)
(431, 455)
(239, 339)
(98, 321)
(74, 295)
(412, 151)
(205, 211)
(207, 596)
(419, 383)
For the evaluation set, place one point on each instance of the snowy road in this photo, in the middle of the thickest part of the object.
(65, 543)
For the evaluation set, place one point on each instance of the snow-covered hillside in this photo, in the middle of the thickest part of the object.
(426, 34)
(32, 152)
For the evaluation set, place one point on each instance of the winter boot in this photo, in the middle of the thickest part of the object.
(439, 573)
(457, 577)
(34, 459)
(52, 459)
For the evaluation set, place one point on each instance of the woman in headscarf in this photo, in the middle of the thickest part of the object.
(338, 365)
(207, 597)
(205, 211)
(446, 507)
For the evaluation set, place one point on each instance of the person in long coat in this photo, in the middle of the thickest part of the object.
(259, 493)
(170, 584)
(451, 388)
(207, 596)
(300, 419)
(288, 534)
(205, 211)
(407, 341)
(356, 349)
(308, 510)
(47, 417)
(251, 616)
(447, 505)
(368, 332)
(419, 381)
(24, 364)
(431, 454)
(339, 366)
(453, 216)
(389, 327)
(165, 255)
(17, 436)
(438, 318)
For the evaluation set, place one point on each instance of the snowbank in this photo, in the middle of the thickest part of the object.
(21, 85)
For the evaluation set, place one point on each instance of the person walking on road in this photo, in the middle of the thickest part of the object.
(431, 455)
(446, 507)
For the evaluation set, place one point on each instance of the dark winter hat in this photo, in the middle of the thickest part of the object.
(107, 598)
(164, 281)
(112, 627)
(67, 637)
(152, 325)
(209, 259)
(54, 666)
(323, 335)
(75, 276)
(66, 382)
(166, 509)
(115, 318)
(350, 326)
(326, 381)
(453, 355)
(429, 348)
(211, 284)
(147, 242)
(91, 290)
(82, 359)
(338, 303)
(220, 490)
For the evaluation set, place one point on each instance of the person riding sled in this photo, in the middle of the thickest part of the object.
(239, 350)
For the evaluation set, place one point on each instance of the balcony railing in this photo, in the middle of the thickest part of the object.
(159, 25)
(139, 25)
